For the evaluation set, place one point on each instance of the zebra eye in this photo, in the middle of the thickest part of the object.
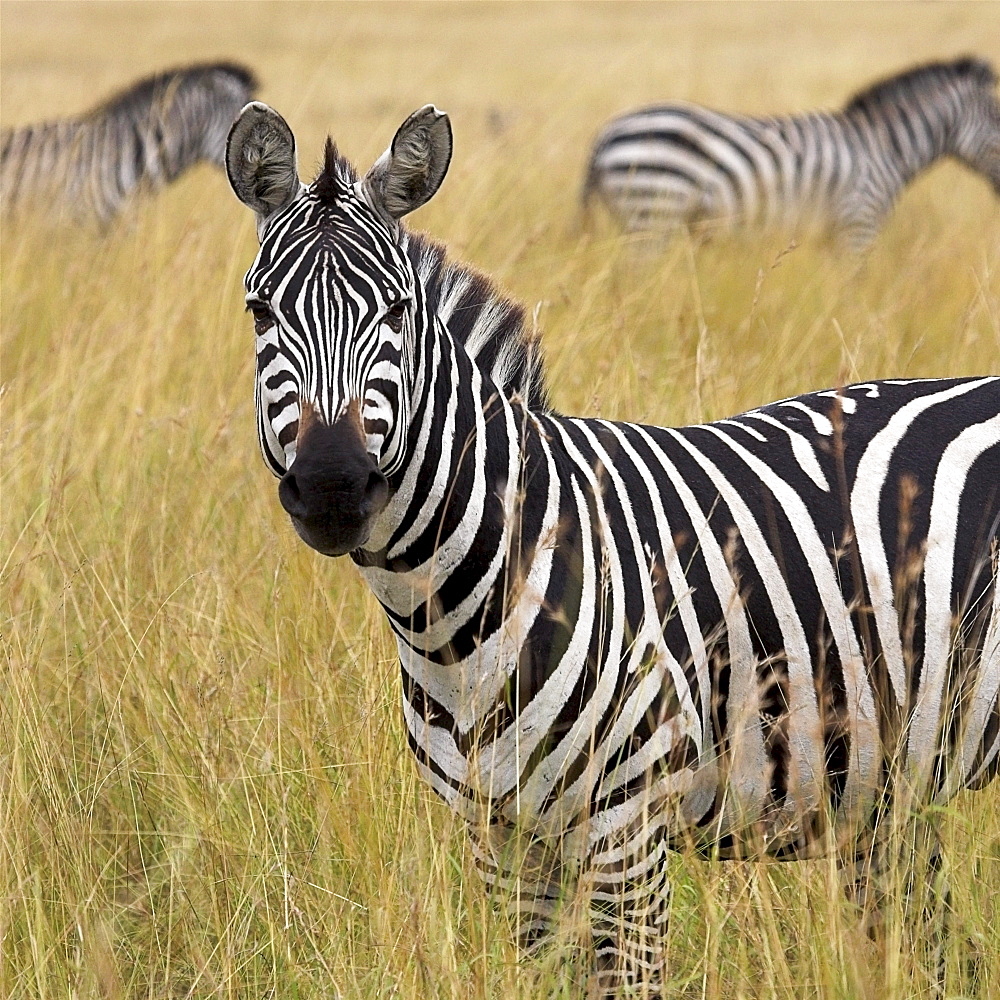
(394, 316)
(263, 318)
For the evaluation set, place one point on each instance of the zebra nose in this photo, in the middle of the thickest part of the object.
(302, 494)
(333, 489)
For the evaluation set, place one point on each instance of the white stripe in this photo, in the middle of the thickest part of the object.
(544, 778)
(747, 765)
(865, 763)
(939, 585)
(806, 771)
(802, 448)
(681, 590)
(984, 697)
(821, 423)
(500, 763)
(866, 495)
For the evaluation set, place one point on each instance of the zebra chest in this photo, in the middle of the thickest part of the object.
(557, 711)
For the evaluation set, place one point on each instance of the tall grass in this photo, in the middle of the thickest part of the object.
(204, 784)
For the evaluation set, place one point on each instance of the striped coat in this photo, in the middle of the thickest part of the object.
(616, 639)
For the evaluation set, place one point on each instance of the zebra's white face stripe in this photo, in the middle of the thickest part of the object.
(332, 295)
(277, 403)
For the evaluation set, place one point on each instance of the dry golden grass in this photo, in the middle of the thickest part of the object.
(204, 784)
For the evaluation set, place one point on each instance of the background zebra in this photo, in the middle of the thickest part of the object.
(680, 163)
(143, 137)
(615, 639)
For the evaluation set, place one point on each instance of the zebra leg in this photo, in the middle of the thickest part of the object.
(858, 234)
(920, 875)
(863, 885)
(859, 221)
(937, 911)
(615, 909)
(524, 877)
(937, 918)
(628, 895)
(928, 900)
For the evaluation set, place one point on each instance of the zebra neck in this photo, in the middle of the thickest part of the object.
(448, 514)
(462, 562)
(482, 320)
(905, 136)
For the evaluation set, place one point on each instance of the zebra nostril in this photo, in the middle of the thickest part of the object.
(376, 493)
(290, 497)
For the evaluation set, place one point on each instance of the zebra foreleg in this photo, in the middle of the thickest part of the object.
(862, 879)
(536, 885)
(937, 920)
(917, 876)
(857, 224)
(611, 909)
(628, 896)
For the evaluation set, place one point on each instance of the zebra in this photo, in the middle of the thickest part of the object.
(143, 137)
(616, 640)
(680, 163)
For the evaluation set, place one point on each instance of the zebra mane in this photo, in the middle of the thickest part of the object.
(336, 178)
(490, 325)
(980, 71)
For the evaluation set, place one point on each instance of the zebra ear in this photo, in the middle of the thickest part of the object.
(260, 160)
(409, 172)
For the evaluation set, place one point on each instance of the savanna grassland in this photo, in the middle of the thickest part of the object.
(205, 789)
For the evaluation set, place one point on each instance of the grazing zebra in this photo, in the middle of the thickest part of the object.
(618, 639)
(680, 163)
(143, 137)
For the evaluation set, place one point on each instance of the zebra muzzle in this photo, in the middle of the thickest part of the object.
(333, 491)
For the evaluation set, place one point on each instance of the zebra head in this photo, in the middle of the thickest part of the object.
(337, 311)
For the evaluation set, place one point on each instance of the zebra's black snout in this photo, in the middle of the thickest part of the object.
(333, 490)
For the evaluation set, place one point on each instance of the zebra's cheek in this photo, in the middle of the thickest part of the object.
(279, 416)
